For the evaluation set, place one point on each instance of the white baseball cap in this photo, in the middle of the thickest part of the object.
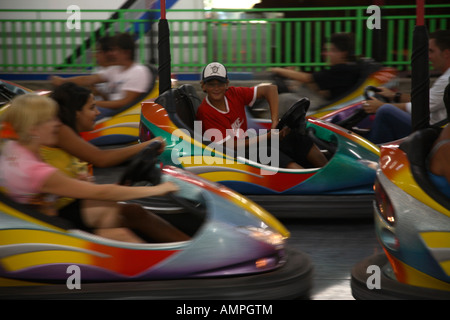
(215, 71)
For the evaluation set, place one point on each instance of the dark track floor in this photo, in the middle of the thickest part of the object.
(334, 246)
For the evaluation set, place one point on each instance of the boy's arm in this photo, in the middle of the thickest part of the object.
(300, 76)
(85, 81)
(270, 93)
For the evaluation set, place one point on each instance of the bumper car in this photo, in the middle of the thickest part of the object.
(344, 187)
(237, 250)
(412, 218)
(372, 75)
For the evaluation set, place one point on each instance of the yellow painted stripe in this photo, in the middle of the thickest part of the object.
(436, 239)
(25, 236)
(19, 236)
(446, 267)
(129, 117)
(17, 214)
(406, 182)
(26, 260)
(418, 278)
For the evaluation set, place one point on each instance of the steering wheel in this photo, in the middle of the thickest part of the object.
(295, 117)
(360, 114)
(372, 92)
(144, 168)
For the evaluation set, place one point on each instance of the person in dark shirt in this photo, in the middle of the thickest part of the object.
(327, 84)
(337, 79)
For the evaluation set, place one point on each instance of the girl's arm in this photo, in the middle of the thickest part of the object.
(72, 143)
(60, 184)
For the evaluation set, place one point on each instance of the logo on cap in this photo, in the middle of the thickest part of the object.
(216, 71)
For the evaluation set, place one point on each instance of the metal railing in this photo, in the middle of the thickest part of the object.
(43, 41)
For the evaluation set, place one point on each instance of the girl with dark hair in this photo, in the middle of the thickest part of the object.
(77, 112)
(71, 100)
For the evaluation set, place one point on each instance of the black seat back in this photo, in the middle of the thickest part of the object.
(191, 93)
(181, 104)
(417, 148)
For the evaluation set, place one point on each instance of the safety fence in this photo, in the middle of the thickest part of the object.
(62, 41)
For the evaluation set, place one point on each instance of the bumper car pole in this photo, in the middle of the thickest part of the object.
(164, 57)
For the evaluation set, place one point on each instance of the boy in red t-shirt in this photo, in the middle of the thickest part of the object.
(223, 109)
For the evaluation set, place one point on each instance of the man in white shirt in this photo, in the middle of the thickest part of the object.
(393, 121)
(125, 81)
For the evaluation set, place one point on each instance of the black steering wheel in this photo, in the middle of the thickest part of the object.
(372, 92)
(295, 117)
(359, 115)
(144, 168)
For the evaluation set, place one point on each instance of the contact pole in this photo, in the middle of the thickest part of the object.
(164, 68)
(420, 79)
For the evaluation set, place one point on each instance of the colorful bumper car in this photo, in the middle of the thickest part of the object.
(412, 218)
(372, 74)
(237, 250)
(344, 187)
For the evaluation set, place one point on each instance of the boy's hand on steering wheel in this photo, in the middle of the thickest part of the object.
(387, 93)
